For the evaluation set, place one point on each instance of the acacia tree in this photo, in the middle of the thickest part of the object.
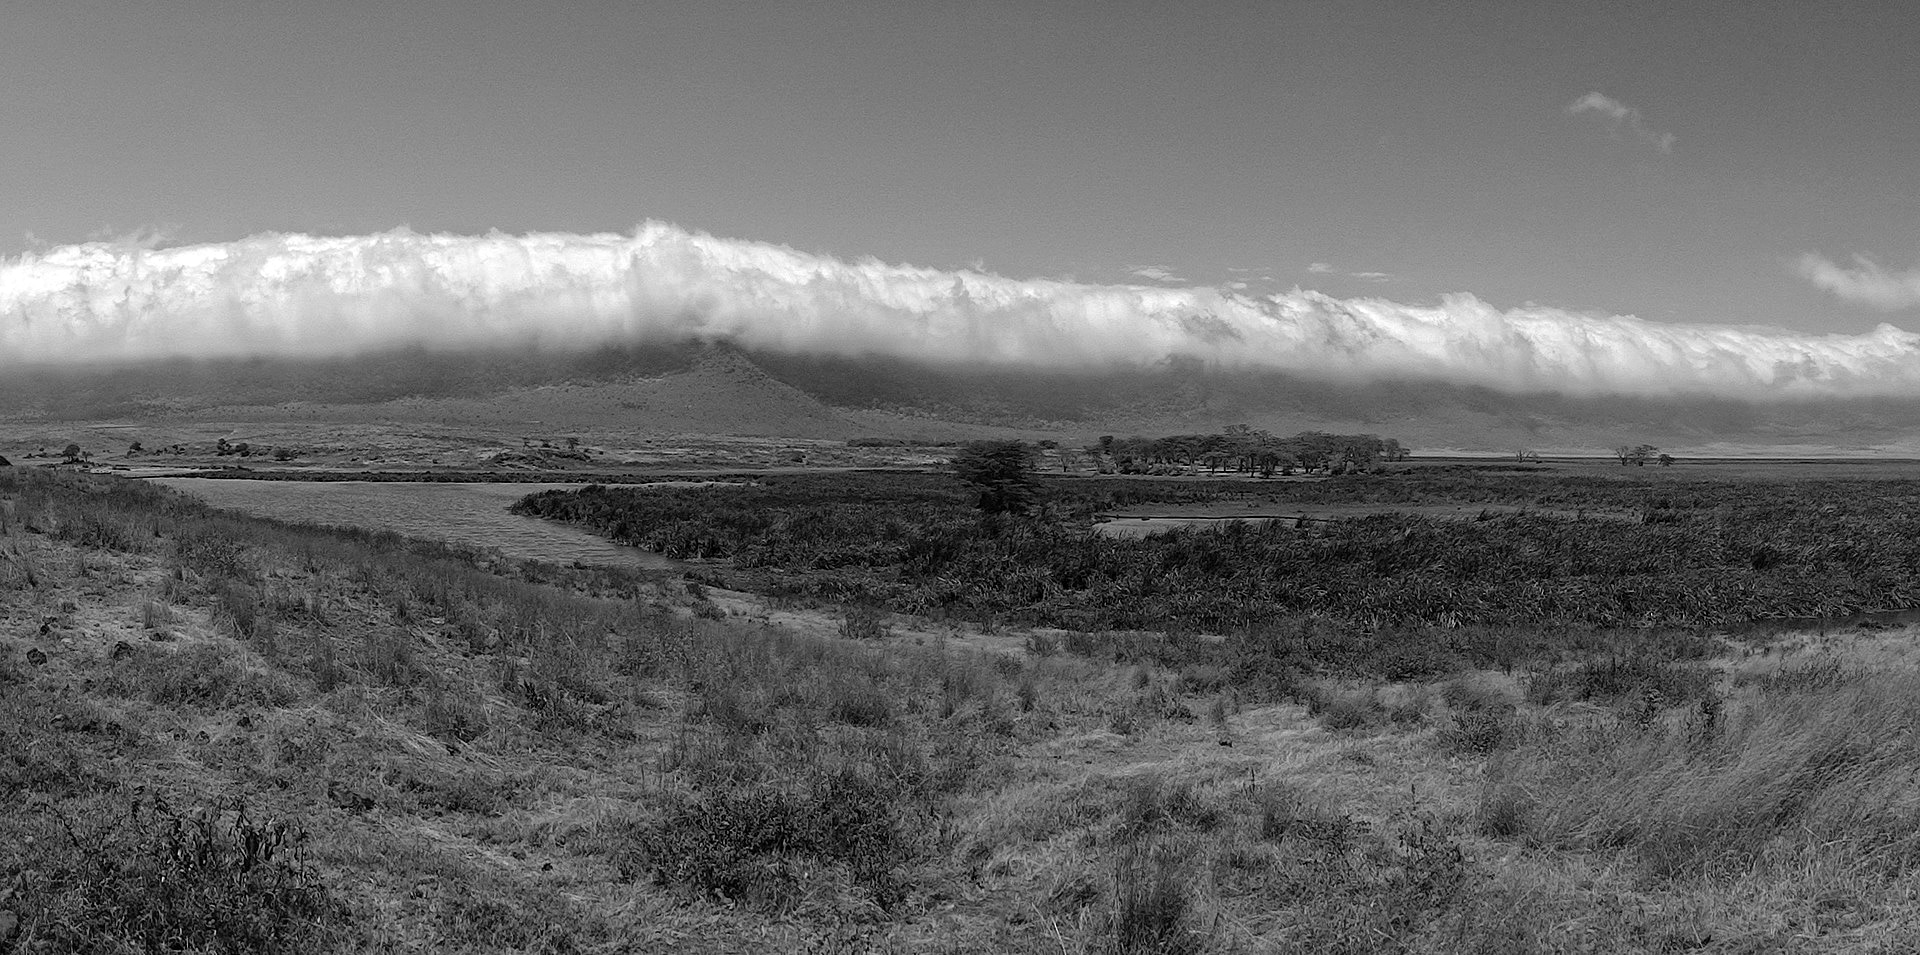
(1001, 472)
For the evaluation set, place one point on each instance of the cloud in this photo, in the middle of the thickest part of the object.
(312, 295)
(1155, 273)
(1867, 283)
(1620, 115)
(1324, 268)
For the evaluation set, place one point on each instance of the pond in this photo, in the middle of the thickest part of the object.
(1137, 522)
(474, 514)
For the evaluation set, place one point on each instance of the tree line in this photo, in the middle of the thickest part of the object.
(1241, 449)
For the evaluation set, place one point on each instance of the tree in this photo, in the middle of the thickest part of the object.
(1666, 460)
(72, 451)
(1642, 454)
(134, 448)
(1001, 473)
(1624, 453)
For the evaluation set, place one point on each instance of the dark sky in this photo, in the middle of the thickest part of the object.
(1429, 142)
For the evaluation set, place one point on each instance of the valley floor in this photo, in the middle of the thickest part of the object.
(225, 734)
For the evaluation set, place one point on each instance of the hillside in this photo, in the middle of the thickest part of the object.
(694, 388)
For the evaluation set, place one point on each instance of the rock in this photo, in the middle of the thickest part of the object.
(35, 657)
(121, 650)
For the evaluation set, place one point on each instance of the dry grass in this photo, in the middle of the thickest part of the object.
(484, 756)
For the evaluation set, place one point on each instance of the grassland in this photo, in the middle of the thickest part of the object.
(226, 734)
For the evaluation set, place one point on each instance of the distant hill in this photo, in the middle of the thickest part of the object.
(705, 387)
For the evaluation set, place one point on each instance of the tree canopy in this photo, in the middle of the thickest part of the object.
(1001, 472)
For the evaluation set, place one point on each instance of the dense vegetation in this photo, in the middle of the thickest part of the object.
(1244, 449)
(1594, 552)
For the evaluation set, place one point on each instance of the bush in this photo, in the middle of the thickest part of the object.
(200, 674)
(755, 844)
(154, 879)
(1479, 732)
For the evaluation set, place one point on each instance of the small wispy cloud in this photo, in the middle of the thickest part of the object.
(1155, 273)
(1866, 283)
(1326, 268)
(1621, 116)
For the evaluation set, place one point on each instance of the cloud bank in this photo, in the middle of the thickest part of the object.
(1867, 283)
(1621, 116)
(294, 295)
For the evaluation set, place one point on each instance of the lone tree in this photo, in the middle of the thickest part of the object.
(1001, 473)
(1635, 455)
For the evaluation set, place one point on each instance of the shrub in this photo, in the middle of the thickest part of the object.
(1479, 732)
(755, 843)
(200, 674)
(155, 879)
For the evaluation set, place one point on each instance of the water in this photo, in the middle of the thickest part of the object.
(1142, 526)
(472, 514)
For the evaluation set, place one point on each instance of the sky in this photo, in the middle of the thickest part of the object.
(1699, 164)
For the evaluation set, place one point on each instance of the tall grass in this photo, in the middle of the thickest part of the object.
(1776, 773)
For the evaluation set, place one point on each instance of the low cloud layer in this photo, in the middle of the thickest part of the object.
(306, 295)
(1867, 283)
(1621, 116)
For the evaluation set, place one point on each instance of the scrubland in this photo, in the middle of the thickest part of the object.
(225, 734)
